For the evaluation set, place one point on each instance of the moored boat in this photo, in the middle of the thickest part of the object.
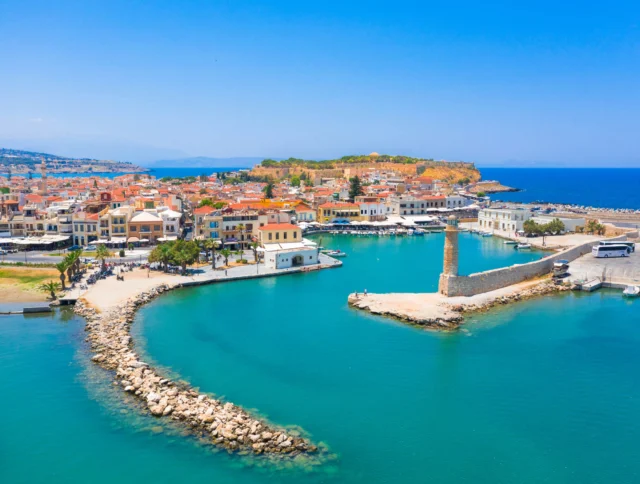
(522, 246)
(631, 291)
(336, 253)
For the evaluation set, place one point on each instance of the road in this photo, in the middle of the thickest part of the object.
(48, 257)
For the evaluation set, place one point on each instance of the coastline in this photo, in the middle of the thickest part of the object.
(109, 315)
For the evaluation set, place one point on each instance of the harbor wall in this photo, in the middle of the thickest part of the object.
(482, 282)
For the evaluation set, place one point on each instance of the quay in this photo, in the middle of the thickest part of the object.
(462, 294)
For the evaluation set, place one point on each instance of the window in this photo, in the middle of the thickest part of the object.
(134, 228)
(285, 235)
(277, 235)
(157, 227)
(270, 235)
(295, 235)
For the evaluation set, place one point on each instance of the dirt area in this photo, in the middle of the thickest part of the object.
(20, 284)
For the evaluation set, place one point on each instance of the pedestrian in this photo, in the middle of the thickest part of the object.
(225, 272)
(365, 292)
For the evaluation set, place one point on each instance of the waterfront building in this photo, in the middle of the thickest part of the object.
(85, 228)
(339, 212)
(282, 246)
(279, 232)
(146, 225)
(373, 208)
(507, 220)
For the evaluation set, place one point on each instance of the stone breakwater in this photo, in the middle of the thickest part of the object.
(437, 312)
(223, 424)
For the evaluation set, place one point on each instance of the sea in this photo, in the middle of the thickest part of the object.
(543, 391)
(588, 187)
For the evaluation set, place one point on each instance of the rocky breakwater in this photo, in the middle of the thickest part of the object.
(223, 424)
(543, 288)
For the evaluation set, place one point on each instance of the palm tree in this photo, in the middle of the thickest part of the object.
(70, 260)
(62, 268)
(254, 247)
(241, 229)
(51, 287)
(102, 254)
(226, 253)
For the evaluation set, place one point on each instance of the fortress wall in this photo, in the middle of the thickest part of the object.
(482, 282)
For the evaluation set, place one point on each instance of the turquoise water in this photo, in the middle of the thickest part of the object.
(542, 391)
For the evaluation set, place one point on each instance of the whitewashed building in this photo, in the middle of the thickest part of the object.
(507, 220)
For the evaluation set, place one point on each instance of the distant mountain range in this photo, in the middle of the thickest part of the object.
(22, 161)
(206, 162)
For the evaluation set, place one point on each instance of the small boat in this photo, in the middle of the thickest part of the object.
(560, 268)
(336, 253)
(522, 246)
(631, 291)
(510, 242)
(486, 234)
(418, 232)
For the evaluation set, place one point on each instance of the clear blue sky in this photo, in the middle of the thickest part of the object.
(481, 81)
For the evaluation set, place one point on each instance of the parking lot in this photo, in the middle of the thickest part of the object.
(622, 270)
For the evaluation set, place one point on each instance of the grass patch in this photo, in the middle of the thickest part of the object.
(28, 278)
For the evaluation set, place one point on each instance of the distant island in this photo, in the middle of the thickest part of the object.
(18, 162)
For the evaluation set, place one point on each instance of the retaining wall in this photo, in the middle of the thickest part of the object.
(482, 282)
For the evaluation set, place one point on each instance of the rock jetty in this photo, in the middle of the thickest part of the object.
(223, 424)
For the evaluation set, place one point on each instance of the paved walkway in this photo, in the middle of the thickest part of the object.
(110, 292)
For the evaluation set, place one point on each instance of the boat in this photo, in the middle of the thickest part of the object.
(418, 232)
(336, 253)
(486, 234)
(560, 268)
(510, 242)
(631, 291)
(522, 246)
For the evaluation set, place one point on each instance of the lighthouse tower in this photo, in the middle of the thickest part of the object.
(450, 254)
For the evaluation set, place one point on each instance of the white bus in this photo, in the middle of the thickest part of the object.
(611, 250)
(631, 245)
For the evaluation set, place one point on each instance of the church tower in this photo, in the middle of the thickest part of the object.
(43, 182)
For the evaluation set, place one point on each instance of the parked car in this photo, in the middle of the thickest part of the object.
(90, 248)
(3, 252)
(74, 247)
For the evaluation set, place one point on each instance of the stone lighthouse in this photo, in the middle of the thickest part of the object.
(450, 255)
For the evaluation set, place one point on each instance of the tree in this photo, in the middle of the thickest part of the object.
(254, 247)
(481, 194)
(355, 189)
(184, 253)
(555, 226)
(161, 254)
(62, 268)
(131, 246)
(102, 254)
(530, 227)
(226, 253)
(591, 227)
(51, 287)
(268, 190)
(295, 181)
(205, 202)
